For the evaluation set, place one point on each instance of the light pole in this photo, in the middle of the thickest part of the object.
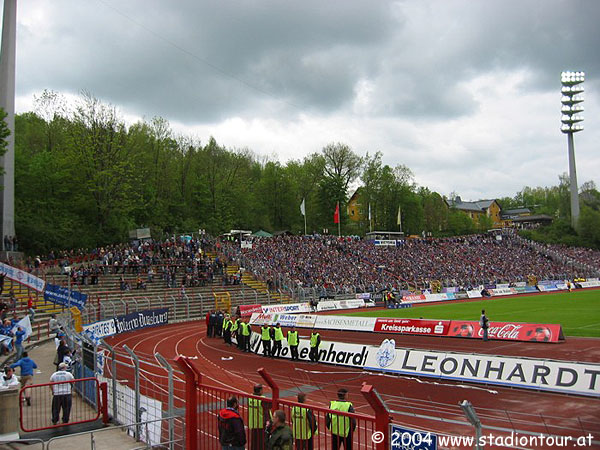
(572, 89)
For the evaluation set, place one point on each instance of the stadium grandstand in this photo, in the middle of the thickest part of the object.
(192, 278)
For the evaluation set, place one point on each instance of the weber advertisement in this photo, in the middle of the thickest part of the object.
(566, 377)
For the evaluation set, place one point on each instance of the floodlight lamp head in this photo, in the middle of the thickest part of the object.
(571, 128)
(571, 78)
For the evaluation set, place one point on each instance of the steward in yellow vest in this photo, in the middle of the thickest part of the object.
(265, 338)
(304, 425)
(278, 338)
(315, 341)
(293, 342)
(244, 335)
(341, 426)
(227, 324)
(258, 412)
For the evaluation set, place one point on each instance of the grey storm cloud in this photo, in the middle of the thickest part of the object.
(205, 60)
(287, 77)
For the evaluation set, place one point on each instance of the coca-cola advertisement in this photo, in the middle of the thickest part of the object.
(412, 326)
(507, 331)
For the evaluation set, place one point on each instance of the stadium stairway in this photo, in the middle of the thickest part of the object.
(249, 280)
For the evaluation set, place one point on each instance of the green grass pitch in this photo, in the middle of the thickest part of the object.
(578, 312)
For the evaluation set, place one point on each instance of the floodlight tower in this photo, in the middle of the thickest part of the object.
(572, 100)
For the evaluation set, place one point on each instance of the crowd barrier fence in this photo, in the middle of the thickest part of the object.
(204, 402)
(73, 406)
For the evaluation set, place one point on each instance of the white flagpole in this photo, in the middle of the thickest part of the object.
(304, 224)
(303, 211)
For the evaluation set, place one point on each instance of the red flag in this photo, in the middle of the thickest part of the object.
(336, 214)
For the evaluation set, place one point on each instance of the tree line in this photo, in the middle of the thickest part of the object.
(84, 178)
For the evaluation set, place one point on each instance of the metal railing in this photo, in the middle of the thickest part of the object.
(51, 405)
(203, 403)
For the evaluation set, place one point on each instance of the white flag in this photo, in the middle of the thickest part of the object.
(25, 324)
(369, 211)
(303, 207)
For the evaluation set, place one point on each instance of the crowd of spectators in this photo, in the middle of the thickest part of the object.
(587, 258)
(177, 262)
(340, 263)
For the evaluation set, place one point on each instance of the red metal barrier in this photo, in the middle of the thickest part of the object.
(203, 404)
(41, 409)
(192, 381)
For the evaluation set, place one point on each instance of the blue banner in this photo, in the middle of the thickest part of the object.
(407, 439)
(143, 319)
(60, 296)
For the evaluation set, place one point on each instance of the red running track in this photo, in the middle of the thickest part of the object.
(416, 401)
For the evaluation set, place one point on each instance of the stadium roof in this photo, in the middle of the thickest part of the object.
(262, 233)
(534, 218)
(478, 206)
(516, 211)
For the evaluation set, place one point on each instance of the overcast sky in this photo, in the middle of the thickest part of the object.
(465, 93)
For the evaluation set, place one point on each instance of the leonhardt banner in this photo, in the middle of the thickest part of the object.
(580, 378)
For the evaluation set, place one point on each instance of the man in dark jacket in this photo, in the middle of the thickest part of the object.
(232, 434)
(219, 324)
(212, 324)
(62, 351)
(280, 437)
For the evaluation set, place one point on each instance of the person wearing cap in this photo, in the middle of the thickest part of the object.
(258, 411)
(293, 342)
(304, 425)
(278, 340)
(341, 426)
(61, 393)
(9, 379)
